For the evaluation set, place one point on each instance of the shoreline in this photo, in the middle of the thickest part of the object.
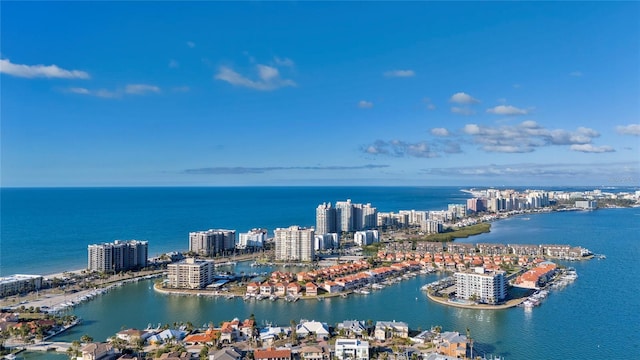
(509, 304)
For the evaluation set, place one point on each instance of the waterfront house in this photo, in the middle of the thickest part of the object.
(98, 351)
(228, 353)
(387, 329)
(132, 335)
(253, 288)
(269, 334)
(312, 328)
(246, 329)
(272, 354)
(266, 289)
(175, 355)
(451, 343)
(353, 328)
(331, 287)
(294, 289)
(166, 335)
(228, 332)
(311, 289)
(210, 336)
(280, 289)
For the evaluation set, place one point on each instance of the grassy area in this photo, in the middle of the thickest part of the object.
(459, 233)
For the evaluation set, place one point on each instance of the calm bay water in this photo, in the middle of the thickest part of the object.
(597, 316)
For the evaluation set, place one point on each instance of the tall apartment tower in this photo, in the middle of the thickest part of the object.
(255, 238)
(212, 242)
(118, 255)
(485, 287)
(190, 274)
(344, 216)
(325, 219)
(294, 244)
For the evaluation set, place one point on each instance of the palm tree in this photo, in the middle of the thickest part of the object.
(86, 338)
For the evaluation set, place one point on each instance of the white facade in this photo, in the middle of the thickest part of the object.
(294, 244)
(368, 237)
(190, 274)
(252, 239)
(351, 349)
(212, 242)
(16, 284)
(325, 219)
(431, 226)
(326, 241)
(490, 288)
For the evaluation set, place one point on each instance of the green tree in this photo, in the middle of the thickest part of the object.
(86, 338)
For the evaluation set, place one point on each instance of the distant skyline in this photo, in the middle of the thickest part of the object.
(319, 93)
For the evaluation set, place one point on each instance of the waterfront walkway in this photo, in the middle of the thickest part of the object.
(509, 304)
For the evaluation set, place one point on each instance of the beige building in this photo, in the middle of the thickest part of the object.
(294, 244)
(481, 286)
(212, 242)
(17, 284)
(190, 274)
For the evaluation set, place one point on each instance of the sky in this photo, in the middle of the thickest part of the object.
(319, 93)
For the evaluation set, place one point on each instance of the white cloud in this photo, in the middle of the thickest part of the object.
(631, 129)
(364, 104)
(462, 110)
(463, 98)
(400, 73)
(529, 135)
(400, 148)
(191, 44)
(268, 78)
(283, 61)
(575, 73)
(440, 132)
(39, 71)
(507, 110)
(589, 148)
(141, 89)
(173, 63)
(430, 105)
(79, 90)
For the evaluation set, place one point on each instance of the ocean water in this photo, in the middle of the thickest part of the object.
(595, 317)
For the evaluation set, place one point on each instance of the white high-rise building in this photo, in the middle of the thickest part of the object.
(326, 241)
(294, 244)
(212, 242)
(485, 287)
(367, 237)
(190, 274)
(255, 238)
(344, 216)
(325, 219)
(117, 256)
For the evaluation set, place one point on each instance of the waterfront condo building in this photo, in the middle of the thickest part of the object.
(18, 284)
(325, 219)
(252, 239)
(481, 286)
(326, 241)
(212, 242)
(294, 244)
(118, 256)
(345, 217)
(190, 274)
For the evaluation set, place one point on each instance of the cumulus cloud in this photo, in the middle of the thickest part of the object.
(529, 135)
(507, 110)
(400, 73)
(364, 104)
(631, 129)
(463, 98)
(590, 148)
(224, 170)
(39, 71)
(462, 110)
(141, 89)
(439, 132)
(268, 78)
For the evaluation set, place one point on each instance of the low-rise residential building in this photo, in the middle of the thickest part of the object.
(314, 353)
(98, 351)
(18, 284)
(272, 354)
(132, 335)
(227, 353)
(311, 289)
(352, 349)
(312, 328)
(387, 329)
(451, 343)
(353, 328)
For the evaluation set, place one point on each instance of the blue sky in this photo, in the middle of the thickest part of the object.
(331, 93)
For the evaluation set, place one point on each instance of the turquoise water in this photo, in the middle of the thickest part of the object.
(595, 317)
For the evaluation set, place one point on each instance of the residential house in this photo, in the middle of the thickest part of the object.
(272, 354)
(352, 349)
(210, 336)
(352, 328)
(451, 343)
(98, 351)
(266, 289)
(247, 327)
(228, 353)
(175, 355)
(166, 335)
(314, 353)
(132, 335)
(311, 289)
(331, 287)
(281, 289)
(253, 288)
(270, 334)
(312, 328)
(387, 329)
(294, 289)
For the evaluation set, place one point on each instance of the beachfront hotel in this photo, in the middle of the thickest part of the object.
(190, 274)
(482, 286)
(294, 244)
(212, 242)
(18, 284)
(118, 256)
